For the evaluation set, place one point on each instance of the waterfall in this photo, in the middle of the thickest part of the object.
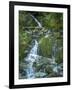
(34, 49)
(39, 24)
(32, 55)
(30, 59)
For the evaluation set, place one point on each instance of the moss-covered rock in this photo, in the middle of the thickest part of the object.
(48, 69)
(53, 74)
(40, 75)
(45, 46)
(59, 56)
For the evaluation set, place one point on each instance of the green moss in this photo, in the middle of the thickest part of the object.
(45, 47)
(59, 56)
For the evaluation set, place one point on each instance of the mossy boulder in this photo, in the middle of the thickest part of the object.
(48, 69)
(59, 56)
(41, 64)
(45, 46)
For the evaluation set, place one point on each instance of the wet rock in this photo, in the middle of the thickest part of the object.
(48, 69)
(22, 76)
(22, 67)
(22, 70)
(53, 74)
(26, 51)
(40, 75)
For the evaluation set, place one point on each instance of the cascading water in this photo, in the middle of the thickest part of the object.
(30, 59)
(39, 24)
(32, 55)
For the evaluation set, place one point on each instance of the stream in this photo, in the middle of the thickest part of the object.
(32, 55)
(30, 59)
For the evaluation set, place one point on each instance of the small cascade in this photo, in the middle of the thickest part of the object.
(30, 59)
(39, 24)
(55, 68)
(32, 55)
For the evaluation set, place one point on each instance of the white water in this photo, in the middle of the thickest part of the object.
(30, 59)
(39, 24)
(32, 55)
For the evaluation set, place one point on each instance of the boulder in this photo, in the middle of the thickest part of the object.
(40, 75)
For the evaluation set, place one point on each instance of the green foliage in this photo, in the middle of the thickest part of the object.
(45, 46)
(24, 40)
(25, 20)
(49, 20)
(59, 56)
